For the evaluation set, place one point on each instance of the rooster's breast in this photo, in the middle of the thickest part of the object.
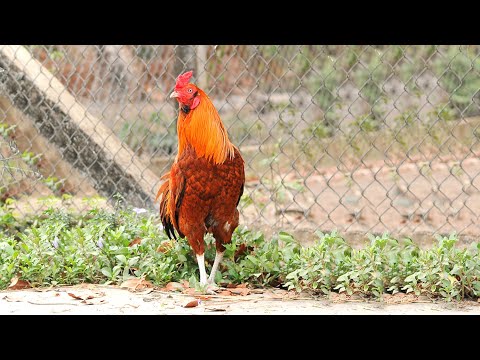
(207, 182)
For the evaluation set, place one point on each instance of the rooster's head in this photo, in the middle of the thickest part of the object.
(185, 92)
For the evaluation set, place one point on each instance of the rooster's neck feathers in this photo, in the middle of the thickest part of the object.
(203, 129)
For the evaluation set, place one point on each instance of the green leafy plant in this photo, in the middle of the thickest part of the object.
(458, 71)
(53, 183)
(6, 130)
(100, 246)
(151, 134)
(31, 158)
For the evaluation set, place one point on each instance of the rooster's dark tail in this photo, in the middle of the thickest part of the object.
(164, 191)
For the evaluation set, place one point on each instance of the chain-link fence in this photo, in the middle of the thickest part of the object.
(354, 138)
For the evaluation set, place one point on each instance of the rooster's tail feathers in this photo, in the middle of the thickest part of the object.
(165, 217)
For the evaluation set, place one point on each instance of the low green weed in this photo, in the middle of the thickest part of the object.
(100, 246)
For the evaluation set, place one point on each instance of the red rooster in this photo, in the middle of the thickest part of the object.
(205, 182)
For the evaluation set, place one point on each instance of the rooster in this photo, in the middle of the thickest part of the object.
(203, 188)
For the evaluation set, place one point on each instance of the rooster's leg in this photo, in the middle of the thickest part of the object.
(201, 267)
(216, 263)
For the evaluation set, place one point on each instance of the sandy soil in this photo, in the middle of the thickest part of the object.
(112, 300)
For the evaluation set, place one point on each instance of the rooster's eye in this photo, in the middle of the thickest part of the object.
(189, 90)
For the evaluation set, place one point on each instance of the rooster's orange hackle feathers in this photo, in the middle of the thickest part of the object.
(208, 138)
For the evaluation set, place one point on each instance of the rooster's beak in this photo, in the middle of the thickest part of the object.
(174, 94)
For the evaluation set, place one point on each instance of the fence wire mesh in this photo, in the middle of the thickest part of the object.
(354, 138)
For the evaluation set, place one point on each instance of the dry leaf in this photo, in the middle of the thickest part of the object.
(240, 291)
(216, 308)
(136, 284)
(165, 246)
(174, 286)
(42, 290)
(85, 294)
(185, 284)
(16, 284)
(231, 286)
(93, 302)
(12, 299)
(192, 303)
(257, 291)
(81, 297)
(136, 241)
(145, 292)
(242, 286)
(225, 293)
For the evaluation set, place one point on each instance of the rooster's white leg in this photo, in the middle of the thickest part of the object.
(201, 267)
(216, 263)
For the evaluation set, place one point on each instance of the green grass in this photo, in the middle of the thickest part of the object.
(95, 247)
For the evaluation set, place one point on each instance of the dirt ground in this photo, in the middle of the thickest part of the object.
(113, 300)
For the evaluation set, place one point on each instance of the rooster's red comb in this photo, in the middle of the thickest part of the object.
(183, 79)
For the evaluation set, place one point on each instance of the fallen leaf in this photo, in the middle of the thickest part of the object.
(136, 241)
(203, 297)
(185, 284)
(136, 284)
(192, 303)
(257, 291)
(134, 306)
(174, 286)
(93, 301)
(85, 294)
(231, 286)
(240, 291)
(50, 288)
(216, 308)
(80, 297)
(16, 283)
(12, 299)
(165, 246)
(145, 292)
(242, 286)
(225, 293)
